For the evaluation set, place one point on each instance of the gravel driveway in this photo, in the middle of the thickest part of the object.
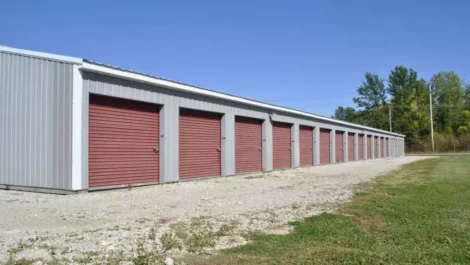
(110, 224)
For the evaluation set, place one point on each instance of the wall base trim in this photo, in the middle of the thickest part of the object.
(39, 189)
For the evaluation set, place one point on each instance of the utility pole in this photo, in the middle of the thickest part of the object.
(390, 116)
(430, 115)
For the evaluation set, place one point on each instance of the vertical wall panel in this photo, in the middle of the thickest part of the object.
(369, 147)
(376, 147)
(36, 125)
(384, 147)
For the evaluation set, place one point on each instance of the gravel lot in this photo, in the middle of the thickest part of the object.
(218, 212)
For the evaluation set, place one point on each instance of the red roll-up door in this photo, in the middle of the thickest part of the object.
(339, 141)
(360, 146)
(248, 145)
(369, 147)
(200, 144)
(376, 149)
(306, 146)
(325, 138)
(122, 137)
(351, 147)
(281, 145)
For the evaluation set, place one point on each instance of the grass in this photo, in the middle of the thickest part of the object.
(418, 215)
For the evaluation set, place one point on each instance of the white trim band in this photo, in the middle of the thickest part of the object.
(43, 55)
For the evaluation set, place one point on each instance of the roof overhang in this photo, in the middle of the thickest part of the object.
(43, 55)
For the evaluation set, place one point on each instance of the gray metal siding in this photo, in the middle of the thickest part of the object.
(36, 122)
(172, 100)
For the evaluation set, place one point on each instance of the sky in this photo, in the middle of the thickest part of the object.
(307, 55)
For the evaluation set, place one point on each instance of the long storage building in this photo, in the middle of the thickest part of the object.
(69, 124)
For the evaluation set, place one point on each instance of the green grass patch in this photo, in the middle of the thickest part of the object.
(417, 215)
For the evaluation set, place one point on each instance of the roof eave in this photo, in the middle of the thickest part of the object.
(42, 55)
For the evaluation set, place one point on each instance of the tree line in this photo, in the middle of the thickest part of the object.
(406, 96)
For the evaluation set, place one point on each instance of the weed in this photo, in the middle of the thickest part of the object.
(152, 235)
(169, 241)
(145, 257)
(225, 230)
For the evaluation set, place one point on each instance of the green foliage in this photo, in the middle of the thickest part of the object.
(449, 93)
(372, 93)
(407, 96)
(346, 114)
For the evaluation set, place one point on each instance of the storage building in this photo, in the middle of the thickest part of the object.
(69, 124)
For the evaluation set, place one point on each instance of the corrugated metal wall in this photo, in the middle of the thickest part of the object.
(173, 100)
(36, 122)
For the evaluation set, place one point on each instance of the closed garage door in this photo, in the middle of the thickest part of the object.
(376, 145)
(324, 146)
(369, 147)
(351, 147)
(339, 141)
(360, 146)
(306, 146)
(122, 138)
(200, 143)
(248, 145)
(281, 145)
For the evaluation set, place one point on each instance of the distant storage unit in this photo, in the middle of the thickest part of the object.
(69, 124)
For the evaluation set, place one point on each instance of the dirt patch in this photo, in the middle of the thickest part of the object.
(174, 219)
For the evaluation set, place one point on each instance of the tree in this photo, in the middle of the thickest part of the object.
(372, 93)
(401, 77)
(409, 99)
(346, 114)
(449, 94)
(466, 93)
(371, 101)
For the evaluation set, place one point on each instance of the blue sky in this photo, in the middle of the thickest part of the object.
(308, 55)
